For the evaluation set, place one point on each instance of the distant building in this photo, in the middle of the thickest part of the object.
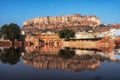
(55, 23)
(80, 35)
(22, 32)
(117, 32)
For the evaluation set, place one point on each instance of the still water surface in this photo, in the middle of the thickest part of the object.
(64, 64)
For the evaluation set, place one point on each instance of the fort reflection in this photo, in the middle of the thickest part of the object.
(51, 57)
(75, 63)
(54, 57)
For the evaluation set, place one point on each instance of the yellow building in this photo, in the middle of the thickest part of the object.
(45, 38)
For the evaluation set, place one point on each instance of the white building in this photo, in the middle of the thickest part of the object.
(80, 35)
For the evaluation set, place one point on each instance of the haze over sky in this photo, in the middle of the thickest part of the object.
(18, 11)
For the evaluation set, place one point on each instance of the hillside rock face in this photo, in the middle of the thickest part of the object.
(56, 23)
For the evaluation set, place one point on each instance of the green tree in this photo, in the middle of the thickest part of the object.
(66, 33)
(11, 31)
(88, 28)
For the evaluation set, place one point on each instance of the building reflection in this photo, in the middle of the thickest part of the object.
(43, 49)
(47, 57)
(54, 57)
(55, 62)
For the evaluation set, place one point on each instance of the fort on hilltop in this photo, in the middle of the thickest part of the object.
(55, 23)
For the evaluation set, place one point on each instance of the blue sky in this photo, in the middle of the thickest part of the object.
(18, 11)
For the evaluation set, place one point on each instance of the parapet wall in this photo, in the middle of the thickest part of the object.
(105, 44)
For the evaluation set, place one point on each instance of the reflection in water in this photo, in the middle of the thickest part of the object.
(76, 63)
(66, 59)
(66, 53)
(47, 57)
(117, 54)
(10, 55)
(44, 49)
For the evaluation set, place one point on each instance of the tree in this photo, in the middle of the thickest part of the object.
(11, 31)
(66, 33)
(88, 28)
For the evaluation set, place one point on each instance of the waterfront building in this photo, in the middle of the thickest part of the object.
(44, 38)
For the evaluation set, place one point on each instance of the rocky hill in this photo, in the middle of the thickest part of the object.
(55, 23)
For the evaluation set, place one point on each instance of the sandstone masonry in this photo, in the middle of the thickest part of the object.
(41, 24)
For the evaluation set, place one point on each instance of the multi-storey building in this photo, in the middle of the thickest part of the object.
(45, 38)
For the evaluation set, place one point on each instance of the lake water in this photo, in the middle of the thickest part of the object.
(55, 64)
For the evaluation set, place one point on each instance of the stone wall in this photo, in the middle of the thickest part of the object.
(105, 44)
(59, 22)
